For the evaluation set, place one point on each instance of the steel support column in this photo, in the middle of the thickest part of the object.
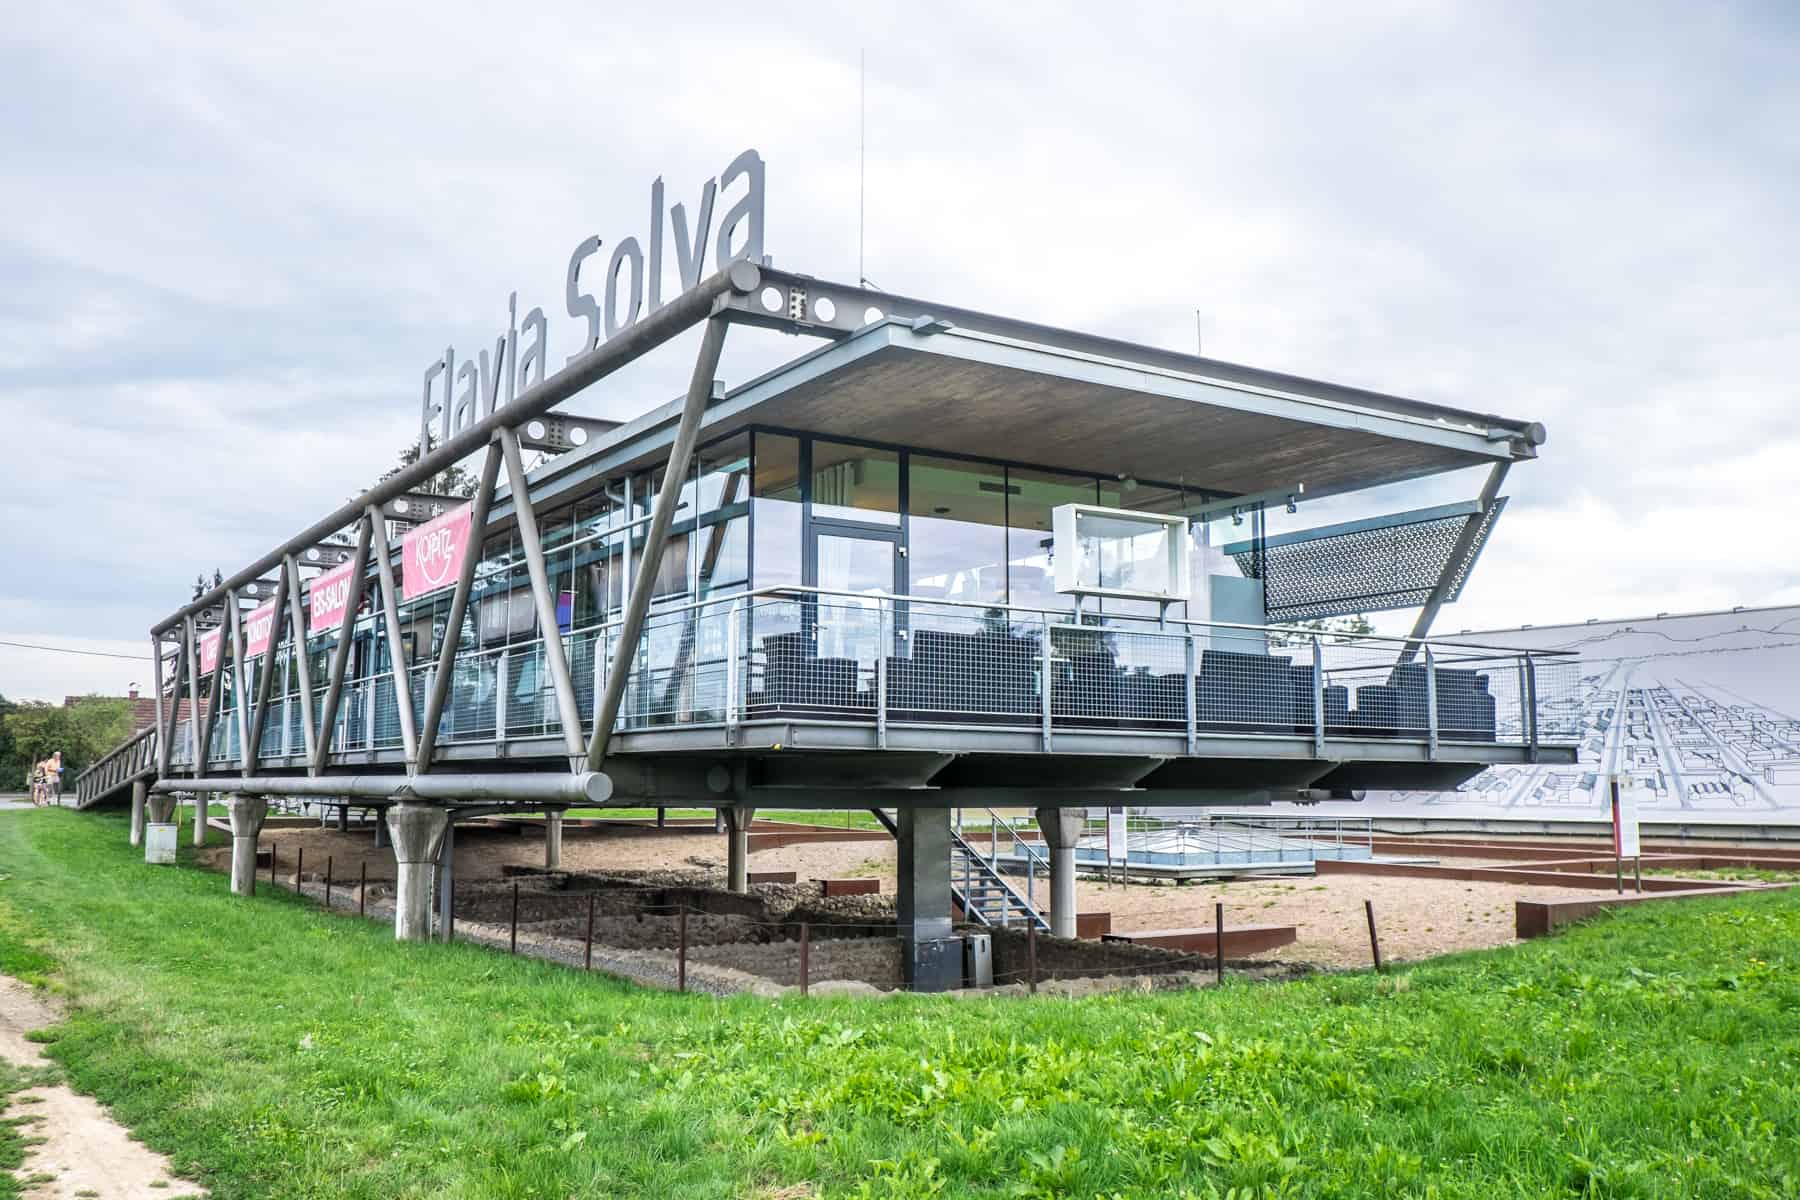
(933, 958)
(554, 651)
(459, 606)
(738, 819)
(681, 455)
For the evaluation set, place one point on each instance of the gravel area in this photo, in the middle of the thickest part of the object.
(1417, 918)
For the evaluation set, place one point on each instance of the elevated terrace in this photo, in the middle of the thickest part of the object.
(856, 594)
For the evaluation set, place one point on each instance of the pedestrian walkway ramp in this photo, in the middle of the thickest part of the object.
(108, 781)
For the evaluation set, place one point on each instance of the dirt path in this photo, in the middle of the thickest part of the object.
(85, 1152)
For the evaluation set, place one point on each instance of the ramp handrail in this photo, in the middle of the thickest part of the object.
(130, 760)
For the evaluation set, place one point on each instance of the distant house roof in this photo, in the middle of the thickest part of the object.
(143, 708)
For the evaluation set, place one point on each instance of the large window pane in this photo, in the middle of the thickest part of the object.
(776, 516)
(956, 531)
(1031, 495)
(855, 483)
(725, 473)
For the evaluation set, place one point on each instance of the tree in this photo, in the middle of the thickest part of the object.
(1329, 629)
(12, 767)
(83, 730)
(453, 481)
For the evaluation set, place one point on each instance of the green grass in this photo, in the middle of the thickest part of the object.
(274, 1050)
(1733, 874)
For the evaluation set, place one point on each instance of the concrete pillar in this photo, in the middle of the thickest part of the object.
(380, 829)
(1062, 831)
(417, 831)
(201, 800)
(446, 885)
(139, 791)
(161, 806)
(553, 825)
(343, 818)
(247, 814)
(737, 818)
(933, 958)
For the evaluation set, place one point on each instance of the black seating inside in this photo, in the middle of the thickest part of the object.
(992, 676)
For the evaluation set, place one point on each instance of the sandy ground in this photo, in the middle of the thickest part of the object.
(85, 1152)
(1416, 918)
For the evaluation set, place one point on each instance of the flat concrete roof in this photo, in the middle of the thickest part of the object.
(1154, 417)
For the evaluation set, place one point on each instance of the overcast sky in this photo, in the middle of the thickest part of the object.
(231, 241)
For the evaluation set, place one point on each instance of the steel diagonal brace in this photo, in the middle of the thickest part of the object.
(334, 689)
(681, 454)
(459, 605)
(190, 638)
(567, 708)
(1428, 613)
(165, 724)
(397, 658)
(309, 731)
(265, 681)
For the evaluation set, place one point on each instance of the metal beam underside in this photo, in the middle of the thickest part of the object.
(965, 393)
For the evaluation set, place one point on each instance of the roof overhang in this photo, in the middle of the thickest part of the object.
(974, 392)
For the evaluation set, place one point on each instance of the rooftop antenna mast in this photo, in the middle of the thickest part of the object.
(862, 160)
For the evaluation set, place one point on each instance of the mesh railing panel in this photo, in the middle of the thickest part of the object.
(1369, 569)
(859, 659)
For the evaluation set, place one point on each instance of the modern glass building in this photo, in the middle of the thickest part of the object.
(944, 559)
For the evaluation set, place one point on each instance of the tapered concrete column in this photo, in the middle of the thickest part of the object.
(417, 831)
(247, 814)
(161, 806)
(933, 958)
(1062, 831)
(553, 839)
(737, 819)
(139, 791)
(200, 806)
(446, 882)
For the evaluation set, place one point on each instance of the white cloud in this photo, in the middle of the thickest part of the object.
(237, 236)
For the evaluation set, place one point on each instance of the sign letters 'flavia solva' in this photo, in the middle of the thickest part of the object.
(629, 287)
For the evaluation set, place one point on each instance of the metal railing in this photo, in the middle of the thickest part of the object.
(890, 661)
(132, 759)
(1148, 844)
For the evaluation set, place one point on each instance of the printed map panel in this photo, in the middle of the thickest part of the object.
(1703, 711)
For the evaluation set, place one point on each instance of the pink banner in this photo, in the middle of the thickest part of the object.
(431, 556)
(329, 593)
(209, 650)
(259, 625)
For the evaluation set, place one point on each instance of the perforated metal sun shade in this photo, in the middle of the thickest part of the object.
(1368, 566)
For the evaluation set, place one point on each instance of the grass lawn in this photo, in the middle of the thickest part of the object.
(274, 1050)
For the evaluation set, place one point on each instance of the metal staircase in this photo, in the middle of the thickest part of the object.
(985, 895)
